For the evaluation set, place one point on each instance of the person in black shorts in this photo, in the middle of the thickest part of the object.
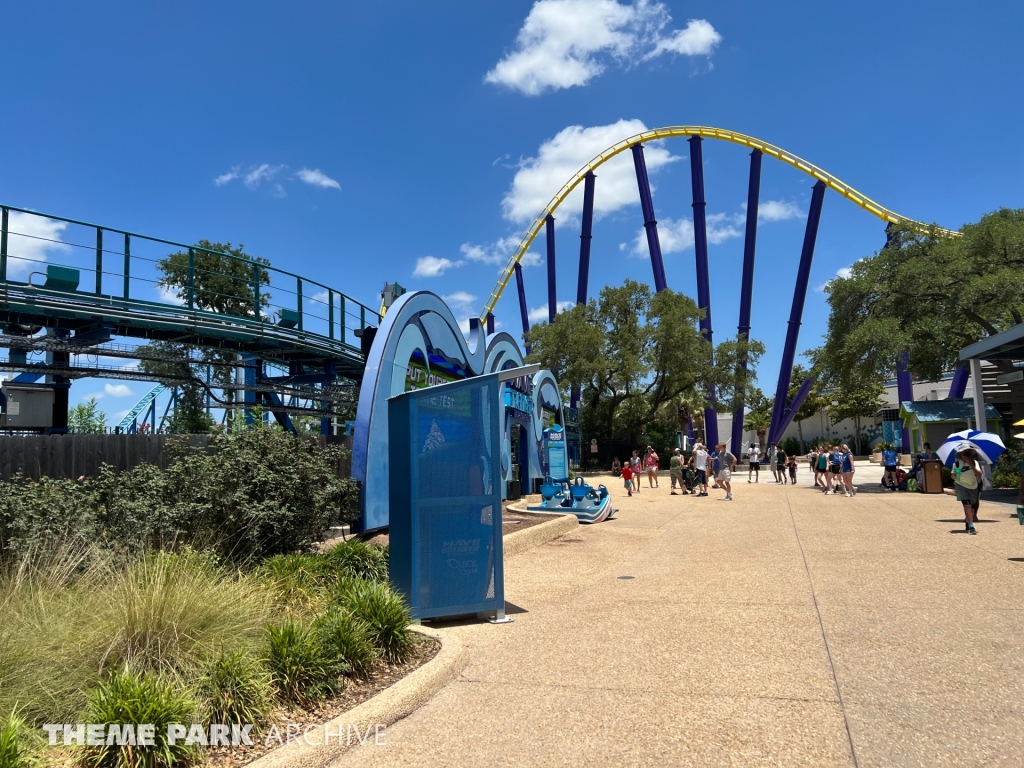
(754, 455)
(835, 468)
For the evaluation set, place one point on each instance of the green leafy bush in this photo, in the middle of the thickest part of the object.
(255, 493)
(303, 671)
(348, 638)
(146, 698)
(237, 689)
(359, 560)
(384, 612)
(1006, 472)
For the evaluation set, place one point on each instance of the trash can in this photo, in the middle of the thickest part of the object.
(931, 473)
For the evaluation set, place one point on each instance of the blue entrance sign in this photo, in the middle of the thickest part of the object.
(554, 449)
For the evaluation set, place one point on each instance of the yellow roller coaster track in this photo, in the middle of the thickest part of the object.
(810, 169)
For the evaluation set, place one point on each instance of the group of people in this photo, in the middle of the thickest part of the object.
(634, 466)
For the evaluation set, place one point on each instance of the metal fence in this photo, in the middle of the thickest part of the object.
(73, 456)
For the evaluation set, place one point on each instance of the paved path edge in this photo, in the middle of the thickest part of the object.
(528, 538)
(373, 715)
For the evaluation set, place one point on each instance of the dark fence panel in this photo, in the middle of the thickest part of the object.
(73, 456)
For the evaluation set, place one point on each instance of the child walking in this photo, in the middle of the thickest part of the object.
(792, 469)
(627, 477)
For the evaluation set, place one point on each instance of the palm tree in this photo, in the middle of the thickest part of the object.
(759, 422)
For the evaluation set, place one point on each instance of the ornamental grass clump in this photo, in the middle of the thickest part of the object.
(358, 560)
(12, 751)
(237, 689)
(135, 699)
(303, 671)
(348, 638)
(384, 611)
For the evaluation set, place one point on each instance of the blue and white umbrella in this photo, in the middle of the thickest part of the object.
(988, 446)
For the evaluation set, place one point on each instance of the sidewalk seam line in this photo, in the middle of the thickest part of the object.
(824, 636)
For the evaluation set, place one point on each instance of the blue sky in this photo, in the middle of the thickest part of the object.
(351, 142)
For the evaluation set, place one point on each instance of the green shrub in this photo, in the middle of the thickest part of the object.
(303, 671)
(359, 560)
(349, 639)
(237, 689)
(384, 611)
(1006, 472)
(254, 493)
(146, 698)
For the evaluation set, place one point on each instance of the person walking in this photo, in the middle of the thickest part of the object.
(675, 470)
(754, 457)
(773, 452)
(967, 482)
(701, 461)
(726, 465)
(714, 467)
(627, 478)
(835, 469)
(635, 466)
(890, 460)
(847, 468)
(780, 465)
(821, 467)
(792, 470)
(651, 465)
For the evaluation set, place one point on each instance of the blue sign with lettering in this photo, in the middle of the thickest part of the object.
(554, 449)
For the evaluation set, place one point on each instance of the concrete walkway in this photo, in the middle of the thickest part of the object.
(783, 628)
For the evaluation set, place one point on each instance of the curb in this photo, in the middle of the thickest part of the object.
(387, 707)
(528, 538)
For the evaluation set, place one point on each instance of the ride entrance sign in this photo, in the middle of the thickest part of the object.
(555, 453)
(444, 455)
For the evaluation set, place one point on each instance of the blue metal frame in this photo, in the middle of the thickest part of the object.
(798, 401)
(905, 393)
(650, 223)
(586, 235)
(959, 384)
(747, 288)
(796, 312)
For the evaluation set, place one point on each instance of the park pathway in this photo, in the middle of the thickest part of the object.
(784, 628)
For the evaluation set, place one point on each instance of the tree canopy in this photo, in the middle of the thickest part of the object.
(86, 418)
(632, 351)
(925, 294)
(220, 283)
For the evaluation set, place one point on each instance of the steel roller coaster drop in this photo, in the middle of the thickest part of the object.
(782, 416)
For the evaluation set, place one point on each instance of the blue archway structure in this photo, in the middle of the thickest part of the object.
(419, 344)
(782, 415)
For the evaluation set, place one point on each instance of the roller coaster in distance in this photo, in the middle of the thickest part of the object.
(783, 414)
(73, 294)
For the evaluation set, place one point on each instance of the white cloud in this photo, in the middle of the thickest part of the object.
(538, 314)
(117, 390)
(317, 178)
(777, 210)
(698, 39)
(540, 177)
(722, 227)
(676, 235)
(259, 174)
(843, 272)
(231, 175)
(432, 266)
(461, 300)
(566, 43)
(320, 297)
(30, 240)
(498, 253)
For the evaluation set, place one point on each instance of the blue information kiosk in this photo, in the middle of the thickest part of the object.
(556, 458)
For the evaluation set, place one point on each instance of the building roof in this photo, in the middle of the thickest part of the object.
(1008, 345)
(946, 410)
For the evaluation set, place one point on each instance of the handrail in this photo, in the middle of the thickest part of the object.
(778, 153)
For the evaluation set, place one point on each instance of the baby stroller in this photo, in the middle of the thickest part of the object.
(689, 480)
(901, 479)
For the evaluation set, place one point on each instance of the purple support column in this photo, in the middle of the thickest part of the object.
(959, 385)
(747, 286)
(549, 225)
(586, 237)
(796, 313)
(523, 311)
(490, 322)
(905, 393)
(798, 401)
(700, 247)
(650, 223)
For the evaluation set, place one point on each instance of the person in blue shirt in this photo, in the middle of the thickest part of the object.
(890, 460)
(846, 463)
(715, 467)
